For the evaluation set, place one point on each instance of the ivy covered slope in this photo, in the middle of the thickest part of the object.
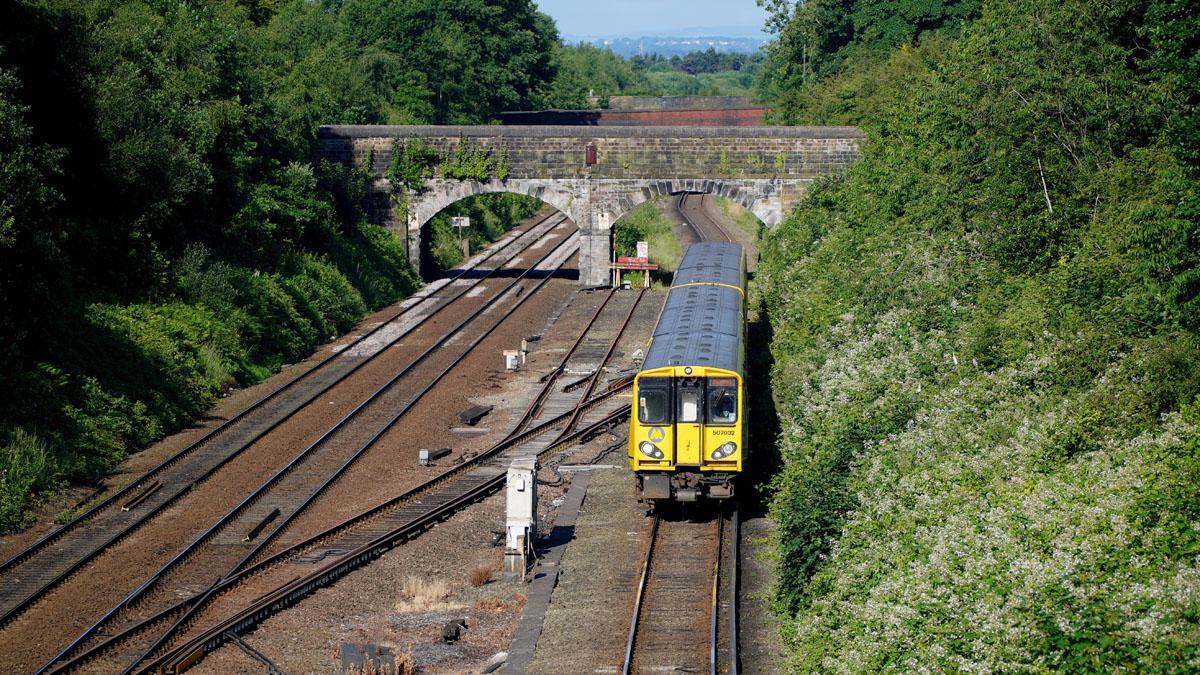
(985, 343)
(165, 232)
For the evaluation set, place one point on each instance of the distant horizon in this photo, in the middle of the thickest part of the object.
(751, 32)
(672, 45)
(631, 19)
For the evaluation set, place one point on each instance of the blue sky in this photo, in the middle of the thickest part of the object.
(651, 17)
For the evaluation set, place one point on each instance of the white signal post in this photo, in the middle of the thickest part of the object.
(462, 223)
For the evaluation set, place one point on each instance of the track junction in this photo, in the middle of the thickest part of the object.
(250, 517)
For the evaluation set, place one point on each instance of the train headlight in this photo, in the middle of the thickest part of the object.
(648, 449)
(725, 450)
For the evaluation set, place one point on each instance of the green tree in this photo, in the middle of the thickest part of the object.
(165, 231)
(476, 58)
(30, 267)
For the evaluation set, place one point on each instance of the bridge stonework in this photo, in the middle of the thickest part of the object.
(765, 169)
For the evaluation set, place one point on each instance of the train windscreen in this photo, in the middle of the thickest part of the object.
(694, 400)
(722, 400)
(654, 400)
(690, 396)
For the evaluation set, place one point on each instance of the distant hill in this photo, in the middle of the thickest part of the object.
(674, 45)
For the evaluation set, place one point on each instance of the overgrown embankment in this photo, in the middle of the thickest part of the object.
(986, 358)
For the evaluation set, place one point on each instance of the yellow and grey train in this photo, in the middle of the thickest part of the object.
(687, 438)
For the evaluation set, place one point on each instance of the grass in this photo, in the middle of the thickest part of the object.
(746, 220)
(482, 574)
(27, 469)
(419, 595)
(650, 224)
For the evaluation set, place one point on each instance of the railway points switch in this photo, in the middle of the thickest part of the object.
(521, 520)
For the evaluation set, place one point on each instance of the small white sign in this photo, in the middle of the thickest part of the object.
(643, 249)
(461, 221)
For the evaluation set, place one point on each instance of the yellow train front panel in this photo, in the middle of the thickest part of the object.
(687, 418)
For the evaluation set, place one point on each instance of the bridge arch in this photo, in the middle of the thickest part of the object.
(596, 175)
(764, 201)
(440, 194)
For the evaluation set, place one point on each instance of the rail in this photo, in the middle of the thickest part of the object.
(190, 652)
(145, 485)
(723, 558)
(190, 608)
(193, 547)
(631, 643)
(692, 217)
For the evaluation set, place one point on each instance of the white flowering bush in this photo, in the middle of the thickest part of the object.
(989, 419)
(969, 549)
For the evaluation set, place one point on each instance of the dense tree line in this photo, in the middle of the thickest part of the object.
(695, 63)
(164, 230)
(585, 70)
(986, 361)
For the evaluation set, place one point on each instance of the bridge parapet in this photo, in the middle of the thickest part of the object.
(620, 152)
(766, 169)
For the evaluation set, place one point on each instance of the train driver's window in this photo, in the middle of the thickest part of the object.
(653, 405)
(722, 407)
(722, 401)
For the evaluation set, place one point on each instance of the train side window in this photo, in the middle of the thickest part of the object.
(654, 402)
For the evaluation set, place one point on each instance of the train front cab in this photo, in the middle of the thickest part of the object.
(687, 436)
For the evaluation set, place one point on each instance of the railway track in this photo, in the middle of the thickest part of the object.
(693, 208)
(263, 515)
(349, 544)
(684, 617)
(31, 573)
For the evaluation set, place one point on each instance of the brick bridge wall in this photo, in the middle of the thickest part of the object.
(765, 169)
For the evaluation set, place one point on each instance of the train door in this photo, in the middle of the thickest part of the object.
(689, 420)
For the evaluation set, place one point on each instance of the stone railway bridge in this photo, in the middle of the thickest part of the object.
(596, 175)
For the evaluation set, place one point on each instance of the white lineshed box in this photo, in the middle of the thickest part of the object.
(521, 519)
(512, 359)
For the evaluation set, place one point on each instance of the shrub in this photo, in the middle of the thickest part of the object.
(328, 299)
(26, 467)
(480, 575)
(986, 385)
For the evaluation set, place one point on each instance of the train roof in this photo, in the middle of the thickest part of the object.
(711, 262)
(700, 325)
